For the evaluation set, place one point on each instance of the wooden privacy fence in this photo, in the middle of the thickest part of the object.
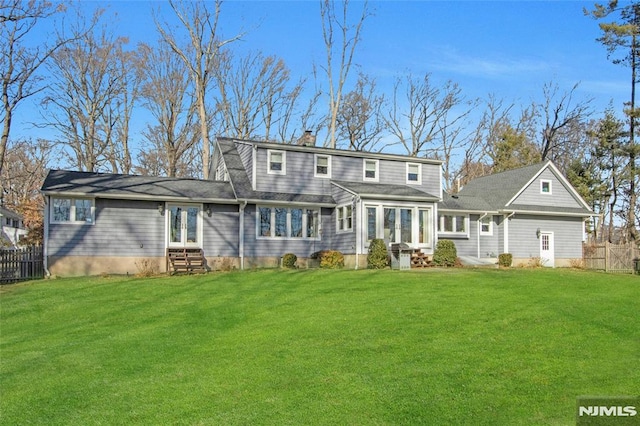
(609, 257)
(21, 264)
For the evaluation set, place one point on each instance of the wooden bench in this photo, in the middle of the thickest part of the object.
(186, 260)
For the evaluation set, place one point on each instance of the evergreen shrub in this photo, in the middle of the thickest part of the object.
(445, 253)
(289, 260)
(377, 258)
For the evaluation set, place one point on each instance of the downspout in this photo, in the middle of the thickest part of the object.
(358, 229)
(241, 236)
(506, 231)
(45, 242)
(478, 230)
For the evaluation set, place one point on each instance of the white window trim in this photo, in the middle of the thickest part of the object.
(315, 166)
(284, 162)
(305, 222)
(343, 209)
(440, 225)
(542, 182)
(72, 213)
(414, 182)
(380, 206)
(364, 170)
(490, 231)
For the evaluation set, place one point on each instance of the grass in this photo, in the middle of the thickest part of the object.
(318, 347)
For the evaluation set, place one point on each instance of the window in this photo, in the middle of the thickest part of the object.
(486, 226)
(345, 218)
(283, 222)
(545, 187)
(452, 224)
(323, 166)
(72, 210)
(370, 170)
(277, 162)
(414, 173)
(372, 225)
(424, 229)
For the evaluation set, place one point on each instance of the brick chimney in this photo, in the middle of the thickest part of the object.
(307, 139)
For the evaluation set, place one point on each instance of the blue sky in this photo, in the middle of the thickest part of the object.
(506, 48)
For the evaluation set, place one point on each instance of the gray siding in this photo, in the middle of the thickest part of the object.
(489, 244)
(567, 231)
(121, 228)
(300, 177)
(221, 231)
(559, 197)
(276, 247)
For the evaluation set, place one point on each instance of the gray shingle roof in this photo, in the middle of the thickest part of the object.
(497, 189)
(151, 187)
(464, 202)
(242, 185)
(381, 190)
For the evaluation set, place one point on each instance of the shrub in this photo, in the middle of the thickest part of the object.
(329, 259)
(377, 258)
(505, 259)
(445, 253)
(289, 260)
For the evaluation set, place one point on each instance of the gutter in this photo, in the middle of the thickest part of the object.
(241, 236)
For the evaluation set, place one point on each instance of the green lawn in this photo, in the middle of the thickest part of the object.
(318, 347)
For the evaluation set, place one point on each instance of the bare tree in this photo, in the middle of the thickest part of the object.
(428, 112)
(166, 94)
(252, 90)
(337, 26)
(359, 120)
(22, 177)
(560, 115)
(199, 56)
(19, 61)
(87, 83)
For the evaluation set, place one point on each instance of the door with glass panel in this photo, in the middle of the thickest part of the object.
(184, 226)
(398, 225)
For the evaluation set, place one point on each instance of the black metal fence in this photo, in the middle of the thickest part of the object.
(21, 264)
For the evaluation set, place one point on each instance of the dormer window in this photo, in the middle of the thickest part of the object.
(370, 170)
(277, 162)
(414, 173)
(545, 187)
(323, 166)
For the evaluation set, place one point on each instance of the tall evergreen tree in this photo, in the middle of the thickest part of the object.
(621, 38)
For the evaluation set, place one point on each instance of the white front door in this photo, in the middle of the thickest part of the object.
(398, 225)
(546, 249)
(185, 226)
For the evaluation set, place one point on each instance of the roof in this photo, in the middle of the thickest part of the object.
(106, 185)
(242, 185)
(496, 192)
(497, 189)
(329, 151)
(380, 190)
(5, 212)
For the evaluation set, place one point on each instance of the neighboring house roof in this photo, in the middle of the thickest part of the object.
(497, 192)
(104, 185)
(385, 191)
(5, 212)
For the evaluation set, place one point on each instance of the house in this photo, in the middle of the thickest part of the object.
(13, 229)
(267, 199)
(263, 200)
(532, 212)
